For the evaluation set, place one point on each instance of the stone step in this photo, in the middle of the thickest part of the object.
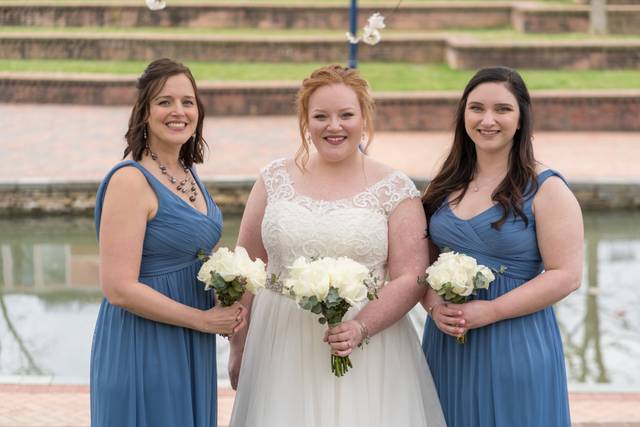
(596, 110)
(459, 52)
(433, 16)
(533, 17)
(536, 18)
(146, 47)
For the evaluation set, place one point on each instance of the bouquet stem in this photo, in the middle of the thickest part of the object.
(462, 338)
(340, 365)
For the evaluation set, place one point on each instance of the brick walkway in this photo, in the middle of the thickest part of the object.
(80, 143)
(68, 406)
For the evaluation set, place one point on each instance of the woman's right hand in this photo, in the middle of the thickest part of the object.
(224, 320)
(448, 318)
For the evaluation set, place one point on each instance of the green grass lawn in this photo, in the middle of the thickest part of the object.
(381, 76)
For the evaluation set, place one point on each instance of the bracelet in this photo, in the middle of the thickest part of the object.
(430, 309)
(364, 332)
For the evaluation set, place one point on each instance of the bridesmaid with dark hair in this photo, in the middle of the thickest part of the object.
(493, 201)
(153, 360)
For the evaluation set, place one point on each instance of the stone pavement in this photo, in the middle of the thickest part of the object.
(80, 143)
(68, 406)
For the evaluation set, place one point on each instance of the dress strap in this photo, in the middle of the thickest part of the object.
(393, 190)
(277, 180)
(102, 189)
(544, 175)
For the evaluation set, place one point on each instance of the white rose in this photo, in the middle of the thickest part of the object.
(299, 265)
(347, 271)
(468, 265)
(436, 277)
(487, 275)
(353, 292)
(460, 283)
(222, 262)
(204, 275)
(316, 276)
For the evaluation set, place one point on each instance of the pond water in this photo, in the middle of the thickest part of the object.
(49, 298)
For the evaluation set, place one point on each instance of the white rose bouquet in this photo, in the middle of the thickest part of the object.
(231, 273)
(329, 287)
(455, 276)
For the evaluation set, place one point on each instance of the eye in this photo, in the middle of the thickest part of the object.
(319, 116)
(188, 102)
(348, 115)
(163, 102)
(475, 108)
(504, 109)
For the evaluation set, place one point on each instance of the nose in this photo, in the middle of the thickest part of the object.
(487, 118)
(334, 123)
(178, 109)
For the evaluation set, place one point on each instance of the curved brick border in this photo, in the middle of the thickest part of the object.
(78, 198)
(555, 110)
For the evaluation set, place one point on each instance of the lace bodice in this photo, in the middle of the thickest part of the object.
(296, 225)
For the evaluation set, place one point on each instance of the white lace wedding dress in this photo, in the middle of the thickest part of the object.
(286, 378)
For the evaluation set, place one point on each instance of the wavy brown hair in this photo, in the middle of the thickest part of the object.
(325, 76)
(460, 166)
(149, 85)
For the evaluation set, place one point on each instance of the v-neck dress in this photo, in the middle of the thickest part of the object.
(510, 373)
(150, 374)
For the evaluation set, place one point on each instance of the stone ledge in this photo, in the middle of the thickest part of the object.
(435, 16)
(560, 19)
(78, 198)
(595, 110)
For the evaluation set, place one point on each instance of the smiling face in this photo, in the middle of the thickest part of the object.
(173, 112)
(491, 117)
(335, 122)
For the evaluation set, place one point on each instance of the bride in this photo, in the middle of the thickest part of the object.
(334, 202)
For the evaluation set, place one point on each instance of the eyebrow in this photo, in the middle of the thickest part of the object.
(500, 104)
(169, 96)
(319, 110)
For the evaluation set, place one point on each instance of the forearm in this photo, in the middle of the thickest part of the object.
(146, 302)
(537, 294)
(394, 300)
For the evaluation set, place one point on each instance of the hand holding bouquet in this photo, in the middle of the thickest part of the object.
(329, 287)
(231, 273)
(455, 276)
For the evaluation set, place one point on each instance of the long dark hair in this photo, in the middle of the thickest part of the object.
(459, 167)
(149, 85)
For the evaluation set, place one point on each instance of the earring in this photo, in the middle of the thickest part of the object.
(144, 132)
(193, 138)
(307, 137)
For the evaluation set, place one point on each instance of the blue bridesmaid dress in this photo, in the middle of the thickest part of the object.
(510, 373)
(151, 374)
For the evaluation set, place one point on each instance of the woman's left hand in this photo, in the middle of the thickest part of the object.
(343, 338)
(478, 313)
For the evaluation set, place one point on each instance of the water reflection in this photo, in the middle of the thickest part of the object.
(49, 298)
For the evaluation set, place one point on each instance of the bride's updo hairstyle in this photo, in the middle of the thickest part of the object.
(325, 76)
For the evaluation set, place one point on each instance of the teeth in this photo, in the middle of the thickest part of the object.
(176, 125)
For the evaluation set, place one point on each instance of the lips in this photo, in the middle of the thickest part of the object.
(488, 132)
(335, 139)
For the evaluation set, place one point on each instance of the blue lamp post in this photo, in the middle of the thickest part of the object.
(353, 27)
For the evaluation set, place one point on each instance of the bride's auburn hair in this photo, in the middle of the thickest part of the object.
(460, 165)
(326, 76)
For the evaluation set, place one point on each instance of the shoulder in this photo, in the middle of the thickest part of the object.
(553, 192)
(128, 183)
(275, 165)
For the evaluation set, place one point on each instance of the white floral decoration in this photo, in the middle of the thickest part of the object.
(370, 32)
(155, 4)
